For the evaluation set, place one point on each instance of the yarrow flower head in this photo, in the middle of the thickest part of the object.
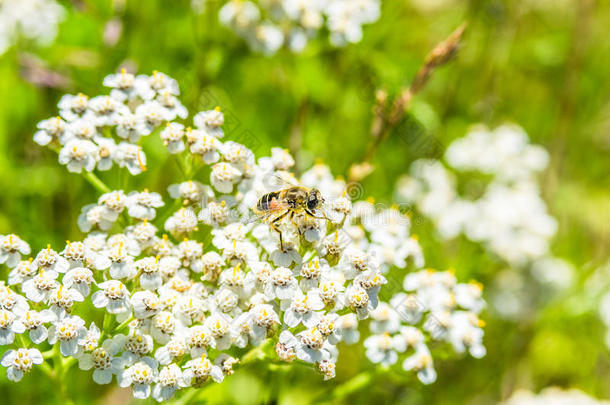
(269, 26)
(34, 20)
(175, 310)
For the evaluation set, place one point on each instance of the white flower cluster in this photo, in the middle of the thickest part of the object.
(184, 307)
(433, 307)
(35, 20)
(509, 216)
(267, 25)
(86, 131)
(553, 396)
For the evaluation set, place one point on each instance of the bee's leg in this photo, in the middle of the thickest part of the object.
(274, 224)
(311, 214)
(295, 224)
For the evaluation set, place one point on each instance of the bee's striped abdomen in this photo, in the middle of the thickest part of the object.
(264, 204)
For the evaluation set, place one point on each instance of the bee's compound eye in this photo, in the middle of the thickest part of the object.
(312, 202)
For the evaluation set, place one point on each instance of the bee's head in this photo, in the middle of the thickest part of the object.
(314, 199)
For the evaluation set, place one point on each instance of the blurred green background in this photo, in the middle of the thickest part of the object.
(540, 63)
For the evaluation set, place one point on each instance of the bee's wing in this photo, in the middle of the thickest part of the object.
(255, 218)
(279, 180)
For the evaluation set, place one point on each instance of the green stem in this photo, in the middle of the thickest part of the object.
(180, 162)
(46, 369)
(105, 324)
(58, 371)
(57, 361)
(123, 324)
(23, 341)
(96, 182)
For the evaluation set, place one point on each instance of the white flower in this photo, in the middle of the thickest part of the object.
(92, 339)
(72, 107)
(287, 256)
(175, 348)
(79, 279)
(113, 296)
(169, 265)
(11, 249)
(21, 272)
(130, 156)
(157, 83)
(19, 362)
(150, 279)
(182, 221)
(201, 369)
(281, 159)
(219, 326)
(347, 328)
(385, 319)
(78, 155)
(264, 318)
(40, 287)
(211, 121)
(239, 156)
(371, 281)
(408, 307)
(103, 360)
(383, 348)
(421, 362)
(79, 254)
(188, 309)
(122, 84)
(62, 300)
(357, 299)
(68, 331)
(203, 144)
(163, 326)
(144, 233)
(172, 105)
(170, 379)
(9, 325)
(136, 345)
(309, 345)
(302, 309)
(469, 296)
(145, 304)
(121, 262)
(224, 176)
(12, 301)
(49, 260)
(34, 323)
(191, 191)
(353, 262)
(140, 376)
(141, 205)
(311, 273)
(465, 333)
(81, 129)
(173, 137)
(150, 115)
(327, 367)
(214, 213)
(96, 215)
(127, 127)
(281, 284)
(50, 130)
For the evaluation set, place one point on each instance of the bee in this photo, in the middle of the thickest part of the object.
(289, 202)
